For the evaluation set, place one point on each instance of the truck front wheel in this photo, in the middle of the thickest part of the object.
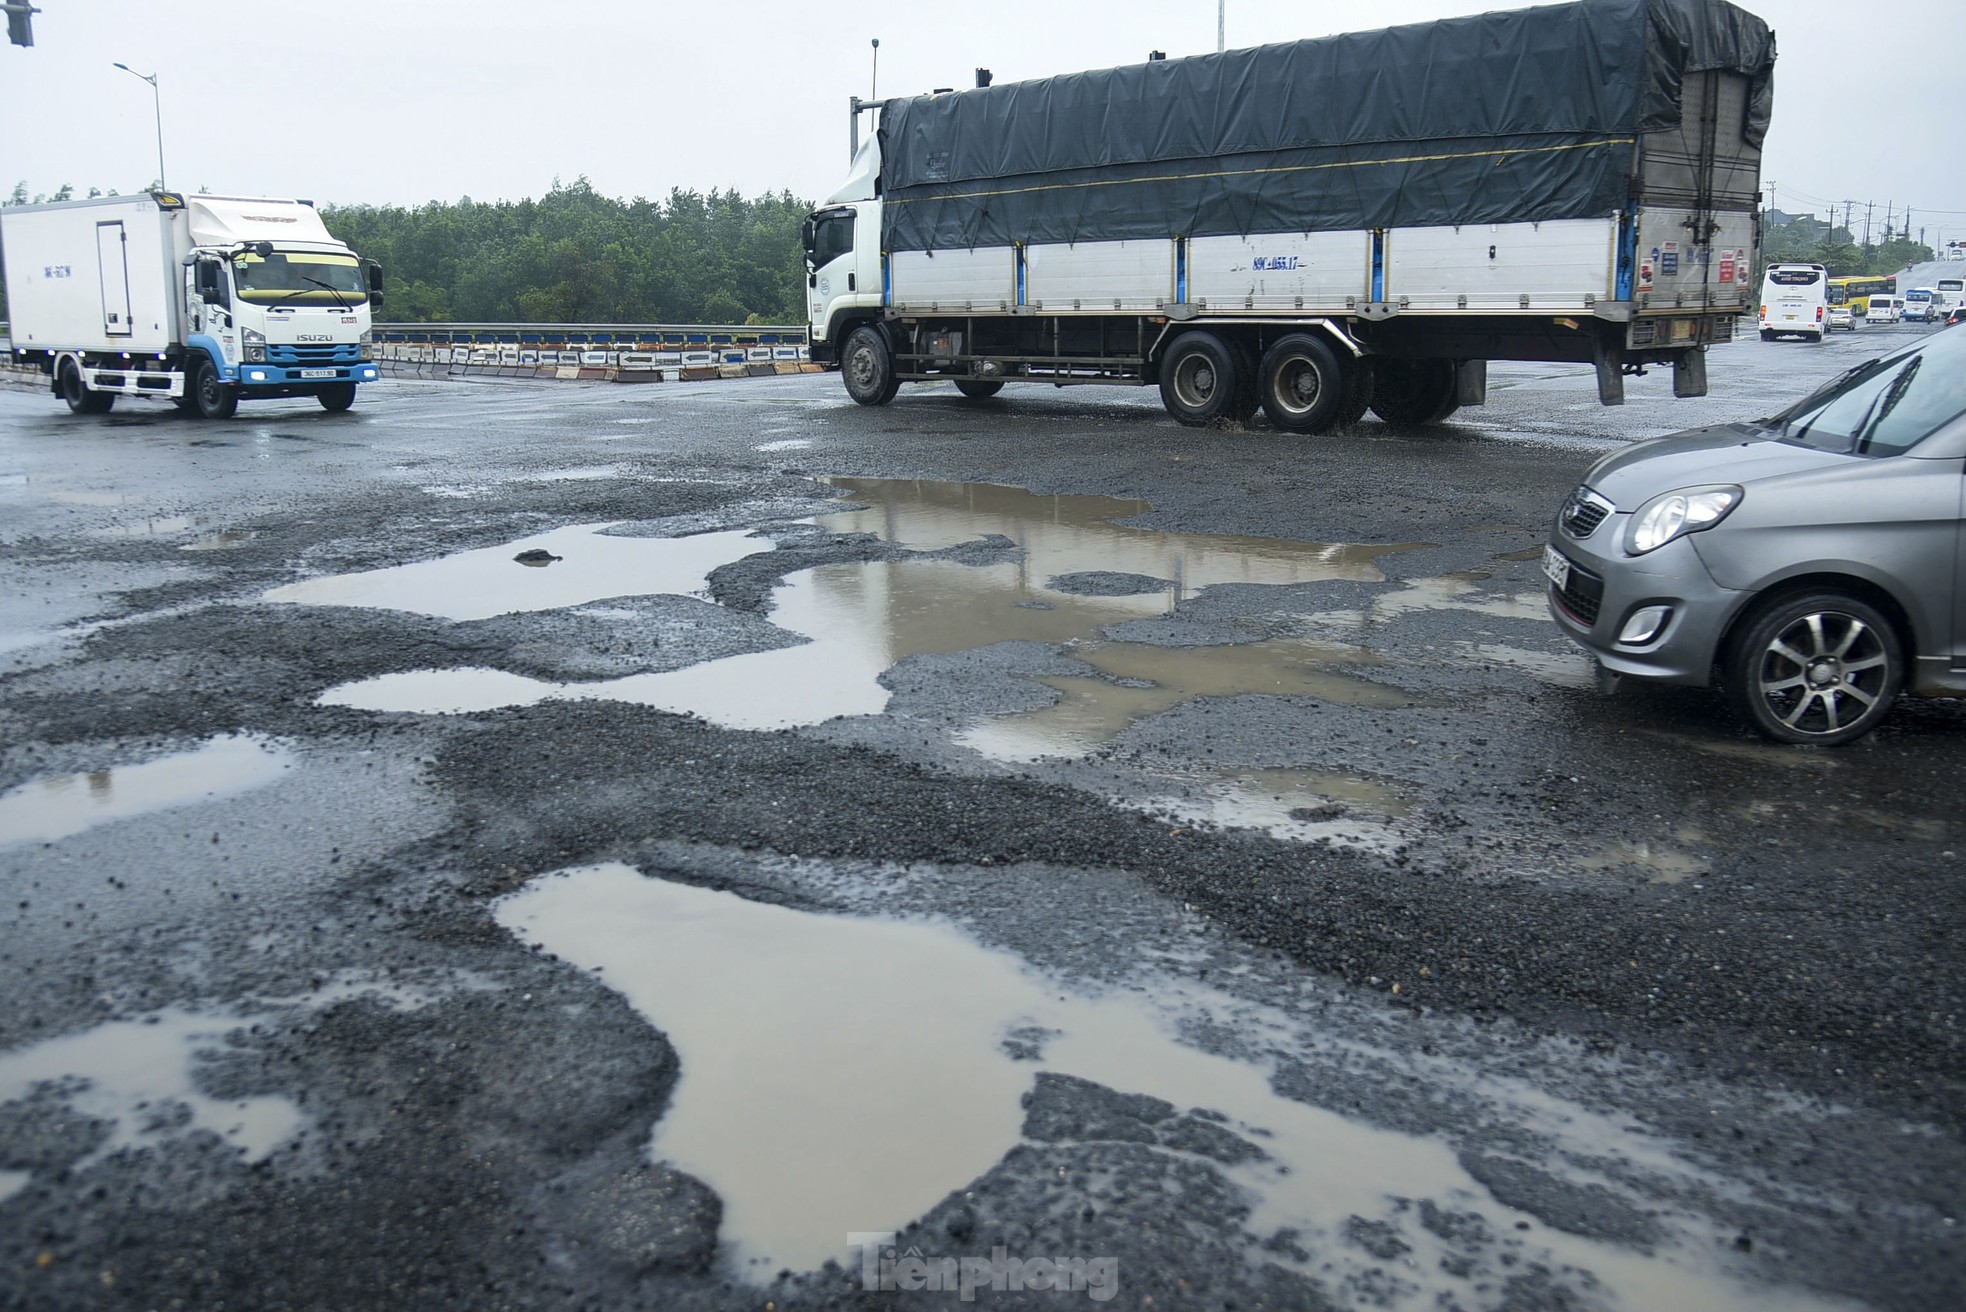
(867, 366)
(1413, 392)
(1200, 378)
(1302, 389)
(215, 399)
(80, 399)
(336, 397)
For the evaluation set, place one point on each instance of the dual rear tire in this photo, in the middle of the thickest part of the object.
(76, 393)
(1298, 383)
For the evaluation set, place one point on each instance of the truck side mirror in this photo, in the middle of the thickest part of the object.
(807, 232)
(211, 286)
(375, 282)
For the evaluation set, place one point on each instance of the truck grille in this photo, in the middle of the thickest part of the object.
(298, 354)
(1582, 595)
(1583, 512)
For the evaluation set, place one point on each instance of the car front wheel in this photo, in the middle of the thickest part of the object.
(1816, 667)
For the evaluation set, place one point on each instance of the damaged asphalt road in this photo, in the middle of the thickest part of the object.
(1184, 867)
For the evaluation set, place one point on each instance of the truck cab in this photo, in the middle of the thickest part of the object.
(842, 239)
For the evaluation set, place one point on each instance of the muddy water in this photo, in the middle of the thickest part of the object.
(138, 1078)
(1079, 570)
(905, 1090)
(475, 585)
(47, 810)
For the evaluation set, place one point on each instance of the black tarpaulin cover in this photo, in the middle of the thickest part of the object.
(1528, 115)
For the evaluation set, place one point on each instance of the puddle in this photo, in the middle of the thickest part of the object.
(785, 444)
(1092, 712)
(1303, 805)
(1662, 862)
(1460, 591)
(476, 585)
(1565, 669)
(224, 540)
(93, 498)
(139, 1077)
(841, 1076)
(150, 528)
(12, 1182)
(48, 810)
(1079, 572)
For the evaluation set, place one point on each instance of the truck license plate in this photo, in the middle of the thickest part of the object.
(317, 373)
(1556, 567)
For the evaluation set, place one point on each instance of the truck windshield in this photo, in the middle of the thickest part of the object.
(306, 277)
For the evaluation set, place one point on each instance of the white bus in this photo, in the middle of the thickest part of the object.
(1794, 299)
(1949, 294)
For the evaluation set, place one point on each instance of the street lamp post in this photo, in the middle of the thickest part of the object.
(158, 105)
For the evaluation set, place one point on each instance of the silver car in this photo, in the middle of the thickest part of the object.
(1812, 563)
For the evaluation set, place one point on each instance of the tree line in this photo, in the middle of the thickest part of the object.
(1803, 239)
(575, 256)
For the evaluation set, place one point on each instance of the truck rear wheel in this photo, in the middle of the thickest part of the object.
(979, 389)
(336, 397)
(867, 367)
(1301, 385)
(215, 399)
(1200, 379)
(1358, 391)
(1413, 392)
(80, 399)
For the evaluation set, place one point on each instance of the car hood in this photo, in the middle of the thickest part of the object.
(1724, 453)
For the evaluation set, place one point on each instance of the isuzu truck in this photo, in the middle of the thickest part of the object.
(1319, 227)
(206, 300)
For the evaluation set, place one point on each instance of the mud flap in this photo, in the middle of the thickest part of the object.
(1689, 373)
(1471, 383)
(1610, 362)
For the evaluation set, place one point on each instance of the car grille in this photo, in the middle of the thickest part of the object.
(295, 354)
(1583, 512)
(1582, 595)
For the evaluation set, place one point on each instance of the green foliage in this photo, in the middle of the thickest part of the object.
(574, 256)
(1808, 240)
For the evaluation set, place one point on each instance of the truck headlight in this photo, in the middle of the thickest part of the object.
(365, 345)
(254, 344)
(1676, 514)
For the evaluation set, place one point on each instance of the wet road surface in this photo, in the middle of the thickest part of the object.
(717, 846)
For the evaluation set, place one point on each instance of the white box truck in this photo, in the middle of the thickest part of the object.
(1317, 227)
(206, 300)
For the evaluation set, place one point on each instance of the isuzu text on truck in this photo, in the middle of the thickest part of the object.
(207, 300)
(1318, 227)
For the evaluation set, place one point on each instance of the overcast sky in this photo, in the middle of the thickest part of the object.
(416, 100)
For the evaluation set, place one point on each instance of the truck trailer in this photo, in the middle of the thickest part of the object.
(1318, 227)
(206, 300)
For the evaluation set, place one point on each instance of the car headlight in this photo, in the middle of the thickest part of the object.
(255, 344)
(1676, 514)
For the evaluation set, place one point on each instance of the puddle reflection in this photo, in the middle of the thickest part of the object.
(893, 1107)
(1078, 571)
(48, 810)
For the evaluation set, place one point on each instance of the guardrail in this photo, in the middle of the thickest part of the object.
(568, 352)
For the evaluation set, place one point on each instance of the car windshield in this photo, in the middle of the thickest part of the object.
(1885, 406)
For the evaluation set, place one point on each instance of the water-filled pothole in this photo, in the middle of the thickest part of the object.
(50, 809)
(841, 1076)
(1078, 571)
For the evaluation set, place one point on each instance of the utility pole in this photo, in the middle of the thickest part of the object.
(1868, 206)
(1847, 205)
(1221, 25)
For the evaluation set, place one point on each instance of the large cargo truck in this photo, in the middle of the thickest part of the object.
(205, 300)
(1317, 228)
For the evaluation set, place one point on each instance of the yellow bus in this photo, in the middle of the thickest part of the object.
(1857, 291)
